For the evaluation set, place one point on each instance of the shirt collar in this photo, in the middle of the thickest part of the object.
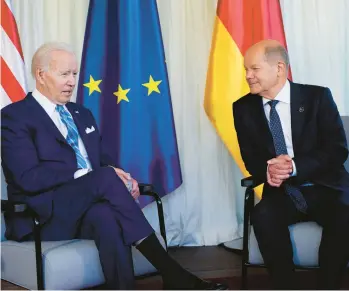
(283, 96)
(45, 103)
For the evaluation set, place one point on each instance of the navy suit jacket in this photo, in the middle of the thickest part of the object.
(36, 158)
(318, 136)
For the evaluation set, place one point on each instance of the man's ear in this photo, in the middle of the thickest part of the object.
(40, 75)
(281, 68)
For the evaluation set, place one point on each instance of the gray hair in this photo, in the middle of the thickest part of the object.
(42, 56)
(273, 53)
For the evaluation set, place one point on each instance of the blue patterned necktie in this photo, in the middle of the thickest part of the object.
(72, 136)
(281, 149)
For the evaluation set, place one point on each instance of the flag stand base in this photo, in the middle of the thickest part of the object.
(234, 246)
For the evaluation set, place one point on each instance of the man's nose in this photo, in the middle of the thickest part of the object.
(249, 74)
(72, 80)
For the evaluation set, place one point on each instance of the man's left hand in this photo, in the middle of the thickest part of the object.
(135, 189)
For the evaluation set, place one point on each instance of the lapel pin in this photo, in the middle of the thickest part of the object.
(76, 111)
(301, 109)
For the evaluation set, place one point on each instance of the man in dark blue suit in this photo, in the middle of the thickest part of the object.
(53, 160)
(291, 137)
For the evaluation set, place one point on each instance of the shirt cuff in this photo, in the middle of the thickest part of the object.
(79, 173)
(294, 172)
(266, 174)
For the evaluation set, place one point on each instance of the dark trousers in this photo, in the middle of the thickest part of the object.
(98, 206)
(275, 212)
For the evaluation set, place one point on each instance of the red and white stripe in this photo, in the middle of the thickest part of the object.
(13, 81)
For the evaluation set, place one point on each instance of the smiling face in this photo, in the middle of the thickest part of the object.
(261, 75)
(265, 74)
(58, 81)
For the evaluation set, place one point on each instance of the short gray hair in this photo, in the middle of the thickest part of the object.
(277, 52)
(42, 56)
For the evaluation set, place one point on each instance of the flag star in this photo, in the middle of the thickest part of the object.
(121, 94)
(152, 85)
(93, 85)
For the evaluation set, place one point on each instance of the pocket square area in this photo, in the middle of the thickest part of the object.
(89, 130)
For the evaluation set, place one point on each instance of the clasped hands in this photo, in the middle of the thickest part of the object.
(126, 177)
(279, 169)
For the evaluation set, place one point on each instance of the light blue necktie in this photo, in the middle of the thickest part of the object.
(281, 149)
(72, 136)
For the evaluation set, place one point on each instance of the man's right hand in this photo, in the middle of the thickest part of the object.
(279, 169)
(126, 177)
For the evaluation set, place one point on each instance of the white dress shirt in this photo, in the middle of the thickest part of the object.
(50, 109)
(283, 108)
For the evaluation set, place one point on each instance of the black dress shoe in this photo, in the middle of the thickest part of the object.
(200, 285)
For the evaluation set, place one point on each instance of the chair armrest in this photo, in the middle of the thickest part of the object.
(9, 207)
(250, 182)
(13, 207)
(145, 188)
(148, 190)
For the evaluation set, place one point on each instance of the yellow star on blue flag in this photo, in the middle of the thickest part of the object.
(152, 85)
(121, 94)
(93, 85)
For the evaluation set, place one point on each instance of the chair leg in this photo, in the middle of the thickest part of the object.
(244, 277)
(249, 202)
(38, 254)
(161, 217)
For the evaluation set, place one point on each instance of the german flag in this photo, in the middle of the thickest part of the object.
(238, 25)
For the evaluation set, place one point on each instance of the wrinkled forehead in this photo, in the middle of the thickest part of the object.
(254, 56)
(62, 60)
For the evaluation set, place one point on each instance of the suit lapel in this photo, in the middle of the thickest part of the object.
(298, 113)
(262, 124)
(79, 124)
(39, 112)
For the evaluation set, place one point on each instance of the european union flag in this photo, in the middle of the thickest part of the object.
(124, 82)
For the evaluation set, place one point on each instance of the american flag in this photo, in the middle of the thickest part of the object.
(13, 80)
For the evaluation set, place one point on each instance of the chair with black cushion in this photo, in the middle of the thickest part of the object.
(62, 265)
(305, 236)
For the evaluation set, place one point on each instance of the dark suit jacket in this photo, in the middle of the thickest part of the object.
(319, 142)
(36, 158)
